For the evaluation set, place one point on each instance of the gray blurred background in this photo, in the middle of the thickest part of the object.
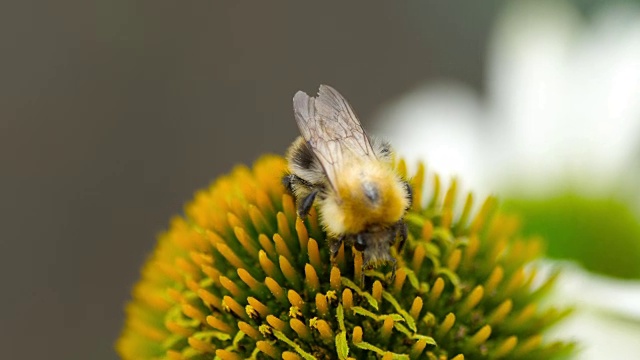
(112, 113)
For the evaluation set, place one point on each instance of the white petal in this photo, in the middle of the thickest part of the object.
(607, 73)
(441, 124)
(564, 94)
(606, 320)
(527, 89)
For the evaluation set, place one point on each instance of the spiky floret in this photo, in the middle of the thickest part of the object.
(240, 276)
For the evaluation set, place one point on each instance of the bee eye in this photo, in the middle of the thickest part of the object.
(360, 243)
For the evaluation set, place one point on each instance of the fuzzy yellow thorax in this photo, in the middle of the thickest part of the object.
(354, 208)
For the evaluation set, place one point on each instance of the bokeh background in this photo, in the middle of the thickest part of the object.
(112, 113)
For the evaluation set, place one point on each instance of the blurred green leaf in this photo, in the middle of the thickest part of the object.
(601, 234)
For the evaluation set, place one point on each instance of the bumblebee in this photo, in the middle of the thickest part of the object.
(360, 198)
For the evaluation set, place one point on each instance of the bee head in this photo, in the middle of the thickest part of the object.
(360, 243)
(374, 245)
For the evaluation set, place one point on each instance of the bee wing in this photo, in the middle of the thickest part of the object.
(331, 128)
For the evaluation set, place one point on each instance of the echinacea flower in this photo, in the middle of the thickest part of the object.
(241, 276)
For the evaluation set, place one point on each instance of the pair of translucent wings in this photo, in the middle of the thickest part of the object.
(331, 129)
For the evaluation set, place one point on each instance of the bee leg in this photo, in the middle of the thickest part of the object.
(292, 180)
(334, 248)
(306, 204)
(394, 264)
(288, 181)
(366, 265)
(409, 191)
(404, 233)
